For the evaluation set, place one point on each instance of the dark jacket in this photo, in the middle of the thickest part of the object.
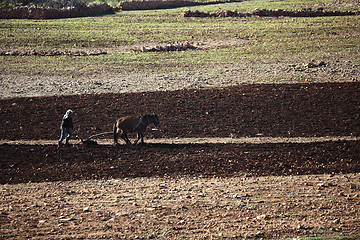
(67, 122)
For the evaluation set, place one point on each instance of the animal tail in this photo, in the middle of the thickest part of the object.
(115, 134)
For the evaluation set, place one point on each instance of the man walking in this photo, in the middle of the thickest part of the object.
(66, 127)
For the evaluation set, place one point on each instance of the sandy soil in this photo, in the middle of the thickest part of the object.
(192, 208)
(28, 84)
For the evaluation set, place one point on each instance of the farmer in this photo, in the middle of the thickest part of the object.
(66, 127)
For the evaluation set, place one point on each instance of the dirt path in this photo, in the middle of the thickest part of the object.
(202, 140)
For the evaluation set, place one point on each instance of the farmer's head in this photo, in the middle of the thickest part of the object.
(69, 112)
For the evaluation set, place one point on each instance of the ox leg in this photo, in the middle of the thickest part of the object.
(125, 137)
(136, 141)
(116, 133)
(140, 136)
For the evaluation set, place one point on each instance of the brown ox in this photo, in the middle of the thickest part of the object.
(130, 124)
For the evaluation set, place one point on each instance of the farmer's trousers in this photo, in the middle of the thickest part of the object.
(63, 131)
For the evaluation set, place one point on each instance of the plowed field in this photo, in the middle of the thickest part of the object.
(184, 190)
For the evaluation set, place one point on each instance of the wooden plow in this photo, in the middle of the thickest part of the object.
(88, 141)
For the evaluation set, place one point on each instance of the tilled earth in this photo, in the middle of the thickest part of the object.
(273, 110)
(197, 191)
(299, 207)
(47, 163)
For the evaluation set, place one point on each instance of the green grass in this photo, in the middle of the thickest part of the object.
(255, 40)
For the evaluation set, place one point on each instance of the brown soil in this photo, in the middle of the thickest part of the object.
(196, 191)
(47, 163)
(296, 207)
(273, 110)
